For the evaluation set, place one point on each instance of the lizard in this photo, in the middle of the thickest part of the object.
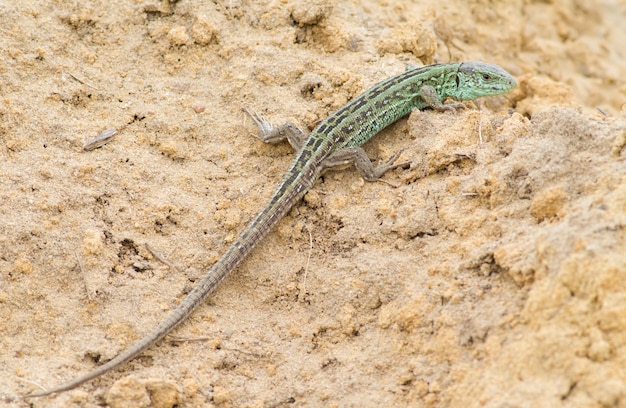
(334, 142)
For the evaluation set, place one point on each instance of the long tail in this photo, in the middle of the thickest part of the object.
(280, 203)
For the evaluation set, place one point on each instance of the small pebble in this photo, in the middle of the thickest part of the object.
(100, 140)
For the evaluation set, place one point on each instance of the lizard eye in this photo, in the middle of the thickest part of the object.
(486, 76)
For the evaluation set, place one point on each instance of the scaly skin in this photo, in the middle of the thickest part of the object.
(335, 141)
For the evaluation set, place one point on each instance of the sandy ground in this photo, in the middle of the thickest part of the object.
(493, 275)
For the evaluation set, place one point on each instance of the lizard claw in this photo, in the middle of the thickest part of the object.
(389, 164)
(264, 126)
(449, 107)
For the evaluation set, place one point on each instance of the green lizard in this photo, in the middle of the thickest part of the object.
(335, 141)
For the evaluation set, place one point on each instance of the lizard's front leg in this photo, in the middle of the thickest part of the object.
(430, 96)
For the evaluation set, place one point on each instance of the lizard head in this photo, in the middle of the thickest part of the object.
(476, 79)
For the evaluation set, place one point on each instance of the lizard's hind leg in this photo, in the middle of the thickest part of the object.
(268, 133)
(358, 157)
